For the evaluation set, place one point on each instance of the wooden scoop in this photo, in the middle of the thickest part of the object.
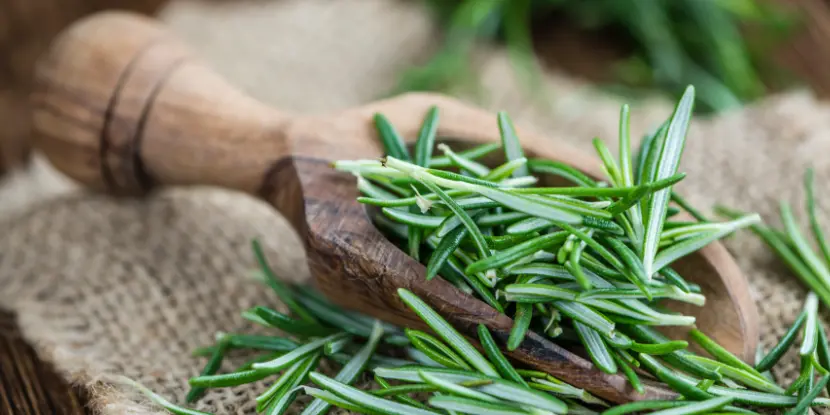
(122, 106)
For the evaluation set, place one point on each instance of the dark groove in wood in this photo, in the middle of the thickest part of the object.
(140, 173)
(109, 114)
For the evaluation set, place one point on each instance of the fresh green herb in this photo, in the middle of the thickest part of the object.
(499, 360)
(674, 44)
(718, 352)
(436, 350)
(447, 332)
(349, 373)
(793, 247)
(278, 286)
(510, 143)
(158, 400)
(392, 141)
(521, 324)
(584, 266)
(366, 400)
(210, 368)
(664, 166)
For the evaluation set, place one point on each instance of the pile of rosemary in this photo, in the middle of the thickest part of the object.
(580, 264)
(584, 265)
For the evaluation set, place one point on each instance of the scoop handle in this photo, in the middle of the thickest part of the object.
(121, 105)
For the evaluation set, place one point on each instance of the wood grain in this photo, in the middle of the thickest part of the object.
(28, 385)
(121, 105)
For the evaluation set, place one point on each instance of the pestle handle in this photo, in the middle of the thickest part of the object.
(121, 105)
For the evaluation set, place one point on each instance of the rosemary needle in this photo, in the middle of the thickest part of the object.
(447, 332)
(210, 368)
(499, 360)
(349, 373)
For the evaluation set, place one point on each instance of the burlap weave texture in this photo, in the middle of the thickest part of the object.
(129, 287)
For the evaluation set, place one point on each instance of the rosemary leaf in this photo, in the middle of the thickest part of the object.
(666, 166)
(750, 379)
(449, 243)
(516, 252)
(288, 324)
(598, 351)
(560, 169)
(413, 219)
(475, 406)
(610, 165)
(392, 141)
(810, 341)
(626, 172)
(496, 357)
(210, 368)
(687, 246)
(426, 138)
(290, 379)
(783, 345)
(704, 407)
(510, 143)
(803, 248)
(478, 169)
(274, 366)
(499, 388)
(339, 402)
(436, 350)
(521, 324)
(158, 399)
(351, 371)
(630, 374)
(507, 170)
(806, 401)
(640, 406)
(674, 381)
(365, 399)
(720, 353)
(472, 228)
(278, 286)
(471, 154)
(447, 333)
(455, 389)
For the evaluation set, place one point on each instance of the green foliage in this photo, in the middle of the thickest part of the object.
(674, 43)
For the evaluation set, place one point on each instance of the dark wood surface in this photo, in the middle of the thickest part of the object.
(28, 385)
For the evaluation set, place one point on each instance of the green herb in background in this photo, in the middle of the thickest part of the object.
(674, 42)
(793, 247)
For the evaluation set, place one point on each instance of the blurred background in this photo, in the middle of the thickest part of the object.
(733, 51)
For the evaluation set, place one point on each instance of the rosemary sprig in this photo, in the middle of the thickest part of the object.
(792, 245)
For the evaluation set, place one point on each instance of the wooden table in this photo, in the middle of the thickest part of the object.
(29, 386)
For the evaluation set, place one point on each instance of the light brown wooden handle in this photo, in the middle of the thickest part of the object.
(120, 104)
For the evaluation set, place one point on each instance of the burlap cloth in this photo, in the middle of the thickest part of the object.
(105, 286)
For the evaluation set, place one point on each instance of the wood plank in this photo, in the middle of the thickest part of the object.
(27, 384)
